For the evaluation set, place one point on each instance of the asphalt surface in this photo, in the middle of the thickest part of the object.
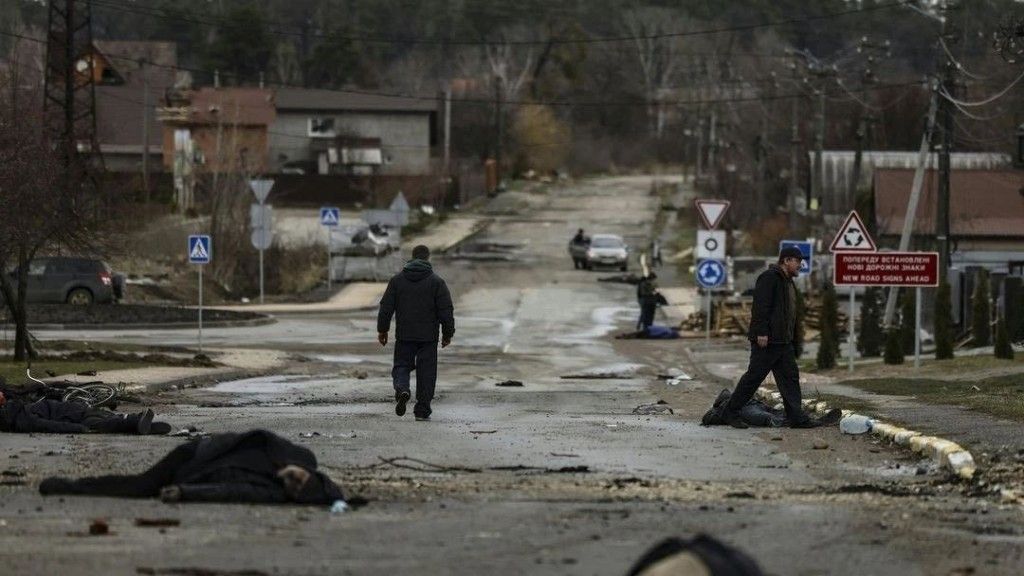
(555, 477)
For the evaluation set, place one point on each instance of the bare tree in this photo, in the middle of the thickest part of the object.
(37, 211)
(658, 57)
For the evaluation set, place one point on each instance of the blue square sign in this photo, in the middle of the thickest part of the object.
(199, 249)
(330, 216)
(806, 248)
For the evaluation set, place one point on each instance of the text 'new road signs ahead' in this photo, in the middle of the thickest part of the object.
(199, 249)
(712, 212)
(710, 273)
(886, 269)
(805, 248)
(330, 216)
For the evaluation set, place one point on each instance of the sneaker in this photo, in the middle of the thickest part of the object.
(733, 419)
(402, 398)
(145, 422)
(423, 418)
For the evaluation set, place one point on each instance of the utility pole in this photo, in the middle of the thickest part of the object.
(818, 181)
(712, 143)
(499, 128)
(145, 129)
(700, 147)
(946, 114)
(447, 130)
(794, 158)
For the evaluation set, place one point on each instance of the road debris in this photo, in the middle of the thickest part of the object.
(820, 445)
(339, 507)
(510, 384)
(157, 522)
(189, 432)
(99, 527)
(482, 431)
(659, 407)
(856, 424)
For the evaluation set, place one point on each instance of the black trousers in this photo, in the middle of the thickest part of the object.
(421, 357)
(780, 360)
(647, 311)
(145, 485)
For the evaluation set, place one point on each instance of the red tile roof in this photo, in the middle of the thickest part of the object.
(982, 202)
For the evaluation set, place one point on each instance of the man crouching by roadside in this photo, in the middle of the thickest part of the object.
(421, 304)
(773, 341)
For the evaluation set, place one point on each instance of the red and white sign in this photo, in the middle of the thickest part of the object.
(885, 269)
(853, 236)
(712, 211)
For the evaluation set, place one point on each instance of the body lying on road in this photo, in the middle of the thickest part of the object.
(256, 466)
(757, 413)
(56, 416)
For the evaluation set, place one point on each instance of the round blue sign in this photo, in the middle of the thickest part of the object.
(710, 273)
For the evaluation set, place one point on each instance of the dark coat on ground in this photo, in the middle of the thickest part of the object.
(772, 313)
(420, 302)
(43, 416)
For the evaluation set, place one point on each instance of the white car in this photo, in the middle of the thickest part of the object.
(607, 250)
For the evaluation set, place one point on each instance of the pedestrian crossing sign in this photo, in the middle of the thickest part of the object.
(199, 249)
(330, 216)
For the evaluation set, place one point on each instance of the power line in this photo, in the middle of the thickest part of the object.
(220, 22)
(985, 101)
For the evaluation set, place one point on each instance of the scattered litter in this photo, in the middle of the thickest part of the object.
(195, 571)
(676, 380)
(559, 455)
(975, 388)
(821, 446)
(661, 407)
(157, 522)
(315, 434)
(611, 425)
(675, 373)
(189, 432)
(99, 527)
(776, 438)
(510, 384)
(360, 375)
(87, 373)
(615, 372)
(12, 473)
(482, 431)
(856, 424)
(339, 507)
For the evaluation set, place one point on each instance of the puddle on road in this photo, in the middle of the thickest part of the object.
(271, 384)
(605, 320)
(348, 359)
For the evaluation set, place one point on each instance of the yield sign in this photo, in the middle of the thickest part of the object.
(261, 189)
(712, 211)
(853, 236)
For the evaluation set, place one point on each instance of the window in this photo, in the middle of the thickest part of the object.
(36, 267)
(321, 128)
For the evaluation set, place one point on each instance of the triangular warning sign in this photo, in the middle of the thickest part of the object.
(712, 211)
(853, 236)
(199, 251)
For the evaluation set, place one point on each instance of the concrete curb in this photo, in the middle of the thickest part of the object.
(252, 322)
(945, 452)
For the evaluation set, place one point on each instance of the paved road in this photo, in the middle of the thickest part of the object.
(846, 507)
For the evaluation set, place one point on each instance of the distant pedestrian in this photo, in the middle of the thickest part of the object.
(422, 306)
(656, 253)
(773, 339)
(647, 297)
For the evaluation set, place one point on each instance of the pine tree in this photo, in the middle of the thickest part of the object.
(869, 339)
(908, 323)
(943, 323)
(1003, 349)
(893, 347)
(981, 326)
(1014, 308)
(829, 345)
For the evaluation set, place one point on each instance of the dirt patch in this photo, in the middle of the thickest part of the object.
(125, 314)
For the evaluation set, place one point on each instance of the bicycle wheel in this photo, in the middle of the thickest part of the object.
(94, 395)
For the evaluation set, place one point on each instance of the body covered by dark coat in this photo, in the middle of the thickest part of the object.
(774, 310)
(420, 302)
(232, 467)
(753, 413)
(43, 416)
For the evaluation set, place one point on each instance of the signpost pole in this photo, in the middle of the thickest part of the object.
(328, 260)
(917, 327)
(851, 343)
(707, 318)
(200, 308)
(263, 224)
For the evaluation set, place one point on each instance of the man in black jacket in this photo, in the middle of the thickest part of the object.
(421, 304)
(773, 340)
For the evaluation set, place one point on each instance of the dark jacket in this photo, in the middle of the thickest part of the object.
(772, 313)
(420, 301)
(242, 467)
(43, 416)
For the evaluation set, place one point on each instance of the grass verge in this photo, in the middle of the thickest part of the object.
(1001, 396)
(14, 372)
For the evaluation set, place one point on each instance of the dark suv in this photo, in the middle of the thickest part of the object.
(73, 280)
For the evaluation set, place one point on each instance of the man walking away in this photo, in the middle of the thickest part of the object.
(647, 297)
(773, 340)
(421, 304)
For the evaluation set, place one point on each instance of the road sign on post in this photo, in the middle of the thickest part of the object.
(710, 275)
(906, 269)
(712, 211)
(711, 244)
(200, 251)
(330, 217)
(853, 236)
(806, 248)
(262, 235)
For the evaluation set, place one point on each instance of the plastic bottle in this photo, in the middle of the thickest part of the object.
(339, 507)
(856, 424)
